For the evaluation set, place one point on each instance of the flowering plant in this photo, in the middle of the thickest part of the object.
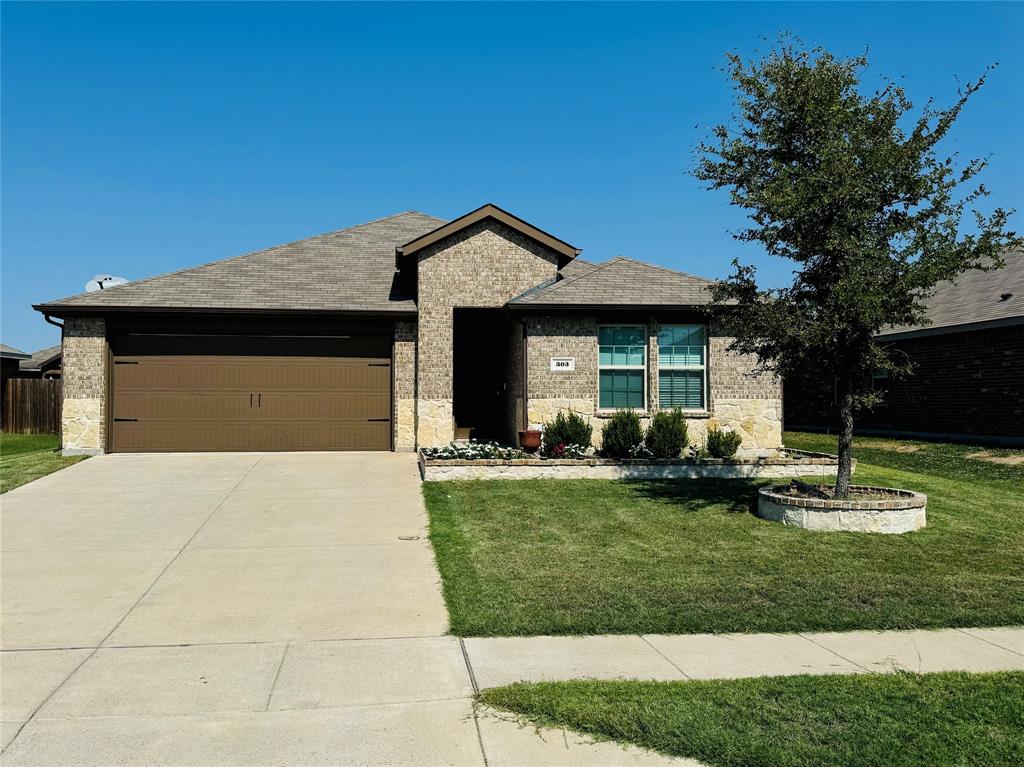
(572, 450)
(473, 450)
(640, 450)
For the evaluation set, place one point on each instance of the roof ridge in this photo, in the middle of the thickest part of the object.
(245, 255)
(664, 268)
(560, 284)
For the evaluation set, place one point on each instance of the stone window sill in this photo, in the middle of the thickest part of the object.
(649, 413)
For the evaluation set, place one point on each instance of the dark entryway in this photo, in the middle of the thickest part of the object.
(481, 374)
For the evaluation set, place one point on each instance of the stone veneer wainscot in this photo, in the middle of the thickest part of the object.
(85, 372)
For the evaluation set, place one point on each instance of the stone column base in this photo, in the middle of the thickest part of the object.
(435, 422)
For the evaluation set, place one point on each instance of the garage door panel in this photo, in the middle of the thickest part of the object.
(352, 406)
(210, 402)
(176, 405)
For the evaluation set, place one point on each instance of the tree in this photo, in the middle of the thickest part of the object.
(851, 187)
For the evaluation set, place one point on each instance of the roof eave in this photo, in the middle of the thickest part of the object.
(528, 306)
(56, 310)
(941, 330)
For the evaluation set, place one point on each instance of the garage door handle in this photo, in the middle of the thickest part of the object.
(379, 364)
(122, 420)
(375, 420)
(250, 400)
(259, 400)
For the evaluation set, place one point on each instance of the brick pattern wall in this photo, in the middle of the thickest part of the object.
(404, 372)
(485, 265)
(740, 398)
(732, 374)
(968, 384)
(84, 359)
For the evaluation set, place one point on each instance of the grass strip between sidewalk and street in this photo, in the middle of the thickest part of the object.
(866, 720)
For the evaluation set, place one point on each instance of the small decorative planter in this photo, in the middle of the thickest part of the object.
(894, 511)
(529, 440)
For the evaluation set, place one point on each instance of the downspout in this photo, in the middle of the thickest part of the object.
(60, 325)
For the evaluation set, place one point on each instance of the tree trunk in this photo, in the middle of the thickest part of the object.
(845, 468)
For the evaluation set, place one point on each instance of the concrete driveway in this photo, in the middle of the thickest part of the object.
(244, 609)
(239, 609)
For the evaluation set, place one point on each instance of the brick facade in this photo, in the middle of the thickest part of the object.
(84, 407)
(403, 360)
(748, 402)
(966, 385)
(482, 266)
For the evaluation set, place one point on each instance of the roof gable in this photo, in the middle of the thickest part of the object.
(621, 282)
(489, 211)
(347, 270)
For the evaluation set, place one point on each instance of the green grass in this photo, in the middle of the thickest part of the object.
(25, 457)
(590, 557)
(869, 720)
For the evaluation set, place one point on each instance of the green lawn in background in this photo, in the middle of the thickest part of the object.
(865, 720)
(522, 557)
(25, 457)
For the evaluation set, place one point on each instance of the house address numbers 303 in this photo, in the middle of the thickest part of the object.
(563, 363)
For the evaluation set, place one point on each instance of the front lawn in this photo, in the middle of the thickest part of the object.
(897, 720)
(686, 556)
(25, 457)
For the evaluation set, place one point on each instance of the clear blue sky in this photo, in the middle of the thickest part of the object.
(143, 138)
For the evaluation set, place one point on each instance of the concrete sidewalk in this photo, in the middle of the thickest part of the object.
(502, 660)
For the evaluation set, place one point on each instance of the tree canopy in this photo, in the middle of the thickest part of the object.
(852, 187)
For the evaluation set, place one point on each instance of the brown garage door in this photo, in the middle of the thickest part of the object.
(240, 393)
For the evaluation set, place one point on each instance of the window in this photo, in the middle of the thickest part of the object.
(682, 366)
(622, 367)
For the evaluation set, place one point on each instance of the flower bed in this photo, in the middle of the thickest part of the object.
(786, 463)
(869, 510)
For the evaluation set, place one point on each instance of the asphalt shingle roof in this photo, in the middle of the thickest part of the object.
(40, 358)
(975, 296)
(11, 352)
(620, 281)
(347, 270)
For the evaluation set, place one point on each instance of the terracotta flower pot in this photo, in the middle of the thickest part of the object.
(529, 440)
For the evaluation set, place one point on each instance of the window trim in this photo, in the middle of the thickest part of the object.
(703, 368)
(642, 366)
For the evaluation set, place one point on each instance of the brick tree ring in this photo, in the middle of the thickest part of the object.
(893, 511)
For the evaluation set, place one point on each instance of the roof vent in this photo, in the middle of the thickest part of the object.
(1006, 296)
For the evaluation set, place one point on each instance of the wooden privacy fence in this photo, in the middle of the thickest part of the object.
(32, 406)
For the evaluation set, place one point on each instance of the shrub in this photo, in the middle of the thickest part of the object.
(622, 434)
(723, 443)
(666, 436)
(567, 429)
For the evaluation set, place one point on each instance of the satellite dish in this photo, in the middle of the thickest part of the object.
(102, 282)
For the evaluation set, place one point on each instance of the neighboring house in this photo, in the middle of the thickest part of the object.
(44, 363)
(9, 361)
(968, 381)
(399, 333)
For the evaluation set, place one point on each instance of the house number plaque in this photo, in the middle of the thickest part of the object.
(563, 363)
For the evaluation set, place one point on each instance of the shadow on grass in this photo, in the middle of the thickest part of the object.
(738, 496)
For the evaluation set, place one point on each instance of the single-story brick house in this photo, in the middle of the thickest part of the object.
(400, 333)
(968, 382)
